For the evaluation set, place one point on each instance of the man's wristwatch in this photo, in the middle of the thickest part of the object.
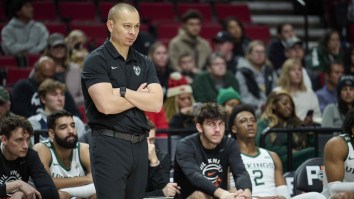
(122, 91)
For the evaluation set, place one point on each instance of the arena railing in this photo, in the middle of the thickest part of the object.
(317, 130)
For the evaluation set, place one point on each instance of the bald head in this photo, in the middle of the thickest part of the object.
(119, 8)
(45, 69)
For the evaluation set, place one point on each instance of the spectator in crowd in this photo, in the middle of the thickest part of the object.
(333, 114)
(328, 93)
(291, 80)
(206, 85)
(276, 49)
(19, 163)
(338, 161)
(263, 166)
(256, 78)
(158, 118)
(159, 56)
(179, 103)
(23, 35)
(5, 104)
(65, 71)
(294, 49)
(280, 113)
(223, 44)
(329, 49)
(158, 183)
(188, 40)
(77, 46)
(66, 159)
(143, 42)
(51, 94)
(25, 100)
(204, 158)
(228, 98)
(188, 67)
(235, 28)
(349, 60)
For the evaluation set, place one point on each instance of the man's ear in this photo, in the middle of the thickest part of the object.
(42, 99)
(234, 129)
(199, 127)
(109, 25)
(3, 139)
(51, 133)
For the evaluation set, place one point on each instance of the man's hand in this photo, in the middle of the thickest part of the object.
(171, 189)
(64, 195)
(18, 195)
(143, 88)
(239, 194)
(29, 191)
(152, 154)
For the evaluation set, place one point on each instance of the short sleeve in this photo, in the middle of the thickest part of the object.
(95, 70)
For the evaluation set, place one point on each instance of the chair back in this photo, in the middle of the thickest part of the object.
(309, 175)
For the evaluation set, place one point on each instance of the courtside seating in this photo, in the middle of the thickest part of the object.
(308, 176)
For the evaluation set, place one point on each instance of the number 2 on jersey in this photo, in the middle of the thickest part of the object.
(258, 177)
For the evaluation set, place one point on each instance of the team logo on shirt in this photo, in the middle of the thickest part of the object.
(211, 170)
(137, 70)
(14, 175)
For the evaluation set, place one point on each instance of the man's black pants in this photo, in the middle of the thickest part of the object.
(119, 167)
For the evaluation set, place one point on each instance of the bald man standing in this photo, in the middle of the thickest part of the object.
(119, 84)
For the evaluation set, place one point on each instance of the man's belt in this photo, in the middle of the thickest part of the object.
(133, 138)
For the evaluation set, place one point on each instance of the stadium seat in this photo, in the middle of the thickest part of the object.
(258, 33)
(103, 8)
(32, 59)
(93, 31)
(308, 176)
(289, 180)
(44, 10)
(8, 61)
(167, 31)
(3, 17)
(15, 74)
(1, 27)
(240, 11)
(58, 27)
(156, 12)
(83, 113)
(204, 8)
(210, 30)
(77, 11)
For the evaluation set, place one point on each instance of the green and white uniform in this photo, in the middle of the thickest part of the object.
(58, 170)
(348, 166)
(261, 170)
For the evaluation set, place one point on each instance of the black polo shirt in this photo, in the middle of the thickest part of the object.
(105, 64)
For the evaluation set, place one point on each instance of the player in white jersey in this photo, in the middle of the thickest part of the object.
(65, 159)
(339, 162)
(264, 167)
